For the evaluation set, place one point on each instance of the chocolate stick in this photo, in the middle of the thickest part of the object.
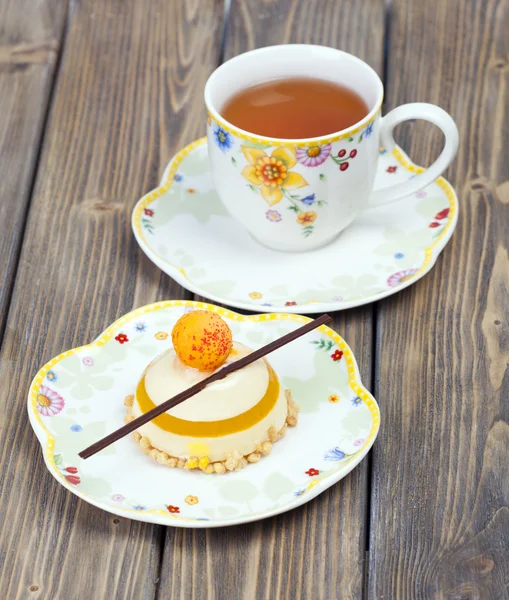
(197, 387)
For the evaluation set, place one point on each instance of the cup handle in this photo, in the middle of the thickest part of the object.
(427, 112)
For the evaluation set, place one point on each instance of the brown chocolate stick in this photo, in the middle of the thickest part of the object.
(197, 387)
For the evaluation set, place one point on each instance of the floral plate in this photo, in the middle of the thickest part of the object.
(185, 230)
(77, 398)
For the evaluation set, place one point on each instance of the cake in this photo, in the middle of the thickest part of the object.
(231, 422)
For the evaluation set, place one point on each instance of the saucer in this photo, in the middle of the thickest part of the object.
(184, 229)
(78, 397)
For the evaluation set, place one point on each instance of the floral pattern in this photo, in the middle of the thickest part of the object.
(223, 139)
(334, 398)
(400, 277)
(161, 335)
(255, 295)
(49, 403)
(439, 221)
(312, 472)
(146, 220)
(334, 454)
(342, 159)
(323, 344)
(88, 361)
(122, 338)
(173, 509)
(313, 156)
(69, 473)
(272, 177)
(356, 401)
(273, 215)
(191, 500)
(337, 355)
(51, 376)
(140, 327)
(392, 169)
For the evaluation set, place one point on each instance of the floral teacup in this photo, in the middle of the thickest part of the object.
(300, 194)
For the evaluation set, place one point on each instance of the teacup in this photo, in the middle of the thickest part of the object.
(327, 181)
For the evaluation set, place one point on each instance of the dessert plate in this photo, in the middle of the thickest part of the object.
(78, 397)
(185, 230)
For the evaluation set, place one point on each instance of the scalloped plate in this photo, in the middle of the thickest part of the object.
(185, 230)
(77, 398)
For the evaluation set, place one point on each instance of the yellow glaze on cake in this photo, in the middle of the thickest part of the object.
(230, 415)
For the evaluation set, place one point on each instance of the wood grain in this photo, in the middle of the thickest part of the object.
(318, 550)
(440, 512)
(30, 40)
(128, 95)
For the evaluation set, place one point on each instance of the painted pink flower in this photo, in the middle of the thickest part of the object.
(273, 215)
(359, 442)
(400, 277)
(49, 403)
(312, 156)
(88, 361)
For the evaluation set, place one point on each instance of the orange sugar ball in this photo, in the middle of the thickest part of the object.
(202, 340)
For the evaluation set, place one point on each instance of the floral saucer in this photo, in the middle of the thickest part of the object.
(185, 230)
(78, 397)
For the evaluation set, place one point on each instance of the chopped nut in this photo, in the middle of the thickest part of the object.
(203, 462)
(292, 420)
(162, 458)
(192, 462)
(241, 464)
(154, 453)
(282, 432)
(219, 468)
(272, 434)
(171, 462)
(144, 443)
(209, 469)
(128, 400)
(181, 463)
(254, 457)
(231, 462)
(136, 436)
(266, 448)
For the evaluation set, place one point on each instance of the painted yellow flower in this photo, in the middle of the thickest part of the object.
(255, 295)
(191, 500)
(271, 174)
(334, 398)
(161, 335)
(305, 218)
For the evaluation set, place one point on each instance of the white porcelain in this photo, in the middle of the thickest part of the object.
(337, 171)
(78, 397)
(183, 227)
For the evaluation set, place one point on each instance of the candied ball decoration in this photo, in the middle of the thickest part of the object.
(202, 340)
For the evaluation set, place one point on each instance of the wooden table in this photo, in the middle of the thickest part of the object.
(95, 97)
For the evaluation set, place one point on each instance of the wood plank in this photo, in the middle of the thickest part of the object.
(127, 97)
(30, 40)
(318, 549)
(440, 512)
